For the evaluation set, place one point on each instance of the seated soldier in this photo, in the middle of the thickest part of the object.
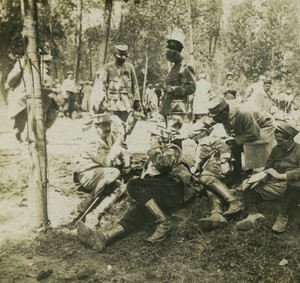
(282, 181)
(102, 158)
(163, 185)
(215, 169)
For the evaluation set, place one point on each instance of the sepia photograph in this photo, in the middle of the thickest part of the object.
(150, 141)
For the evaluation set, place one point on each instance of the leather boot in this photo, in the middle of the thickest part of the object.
(218, 187)
(98, 241)
(252, 221)
(280, 223)
(163, 228)
(216, 218)
(235, 206)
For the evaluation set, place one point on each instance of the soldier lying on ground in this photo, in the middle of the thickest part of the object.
(281, 182)
(102, 158)
(215, 170)
(164, 185)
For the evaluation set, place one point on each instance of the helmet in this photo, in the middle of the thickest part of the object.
(176, 39)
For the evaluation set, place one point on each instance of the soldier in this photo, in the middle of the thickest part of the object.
(16, 88)
(162, 186)
(117, 88)
(69, 90)
(179, 84)
(103, 155)
(252, 132)
(281, 182)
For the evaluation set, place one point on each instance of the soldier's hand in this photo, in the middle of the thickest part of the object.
(169, 89)
(275, 174)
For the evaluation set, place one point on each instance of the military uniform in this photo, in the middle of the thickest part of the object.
(101, 160)
(179, 84)
(117, 87)
(284, 187)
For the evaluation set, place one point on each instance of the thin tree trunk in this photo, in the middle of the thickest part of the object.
(5, 37)
(107, 21)
(38, 215)
(78, 41)
(191, 41)
(145, 74)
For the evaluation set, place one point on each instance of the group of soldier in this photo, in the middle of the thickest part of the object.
(166, 180)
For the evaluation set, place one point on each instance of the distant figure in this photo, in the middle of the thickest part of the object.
(257, 87)
(85, 106)
(201, 97)
(68, 89)
(229, 89)
(16, 89)
(117, 89)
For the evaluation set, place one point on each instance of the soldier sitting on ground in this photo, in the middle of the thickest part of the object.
(215, 170)
(164, 185)
(101, 160)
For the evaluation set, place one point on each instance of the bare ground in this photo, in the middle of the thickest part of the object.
(188, 255)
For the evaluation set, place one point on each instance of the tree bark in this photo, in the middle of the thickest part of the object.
(5, 5)
(191, 41)
(38, 215)
(78, 40)
(107, 21)
(145, 74)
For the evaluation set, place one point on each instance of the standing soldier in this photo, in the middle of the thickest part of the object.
(69, 90)
(118, 90)
(179, 84)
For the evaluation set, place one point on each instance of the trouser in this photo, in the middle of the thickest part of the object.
(123, 115)
(237, 154)
(19, 123)
(69, 106)
(253, 197)
(21, 118)
(167, 192)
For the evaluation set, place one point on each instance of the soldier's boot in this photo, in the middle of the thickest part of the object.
(98, 241)
(163, 228)
(216, 219)
(252, 221)
(280, 223)
(218, 187)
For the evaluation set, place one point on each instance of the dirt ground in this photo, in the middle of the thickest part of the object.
(188, 255)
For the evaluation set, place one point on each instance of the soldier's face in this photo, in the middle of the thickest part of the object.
(282, 140)
(267, 87)
(103, 129)
(120, 61)
(172, 55)
(220, 117)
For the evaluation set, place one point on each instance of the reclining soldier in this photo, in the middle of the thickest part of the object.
(215, 169)
(102, 158)
(163, 185)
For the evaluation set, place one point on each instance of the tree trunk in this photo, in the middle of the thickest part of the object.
(107, 21)
(191, 41)
(145, 74)
(38, 215)
(78, 40)
(6, 6)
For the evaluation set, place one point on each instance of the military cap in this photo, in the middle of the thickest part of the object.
(102, 118)
(216, 105)
(121, 50)
(267, 81)
(176, 40)
(286, 128)
(161, 131)
(229, 74)
(69, 72)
